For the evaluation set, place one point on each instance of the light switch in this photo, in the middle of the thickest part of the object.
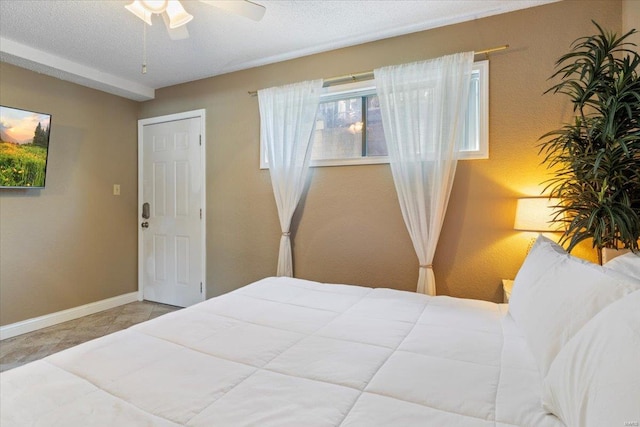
(116, 189)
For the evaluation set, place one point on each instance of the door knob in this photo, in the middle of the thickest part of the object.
(145, 224)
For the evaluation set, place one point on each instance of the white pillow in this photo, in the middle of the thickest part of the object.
(628, 264)
(555, 294)
(595, 379)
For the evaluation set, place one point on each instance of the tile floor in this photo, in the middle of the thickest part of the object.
(35, 345)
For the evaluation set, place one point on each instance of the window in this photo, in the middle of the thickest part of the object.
(349, 126)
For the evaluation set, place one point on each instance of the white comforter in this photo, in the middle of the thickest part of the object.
(288, 352)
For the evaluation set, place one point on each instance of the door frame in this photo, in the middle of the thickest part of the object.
(203, 250)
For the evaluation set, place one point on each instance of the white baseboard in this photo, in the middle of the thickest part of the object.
(36, 323)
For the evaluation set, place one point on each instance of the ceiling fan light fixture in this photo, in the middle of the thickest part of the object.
(177, 15)
(155, 6)
(139, 10)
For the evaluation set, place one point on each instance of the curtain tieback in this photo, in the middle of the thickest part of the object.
(286, 233)
(426, 266)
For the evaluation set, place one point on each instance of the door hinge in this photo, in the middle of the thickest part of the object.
(200, 213)
(200, 287)
(200, 139)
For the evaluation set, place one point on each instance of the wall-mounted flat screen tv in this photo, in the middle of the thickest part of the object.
(24, 147)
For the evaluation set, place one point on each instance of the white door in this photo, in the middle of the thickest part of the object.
(171, 209)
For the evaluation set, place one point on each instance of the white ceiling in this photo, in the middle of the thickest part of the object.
(99, 43)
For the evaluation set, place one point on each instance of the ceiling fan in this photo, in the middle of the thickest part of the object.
(176, 17)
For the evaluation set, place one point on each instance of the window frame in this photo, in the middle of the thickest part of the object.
(482, 153)
(368, 87)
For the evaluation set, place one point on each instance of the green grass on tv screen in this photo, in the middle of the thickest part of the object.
(22, 165)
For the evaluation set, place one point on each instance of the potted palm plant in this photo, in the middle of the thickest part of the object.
(595, 159)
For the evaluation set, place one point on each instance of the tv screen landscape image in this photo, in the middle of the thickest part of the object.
(24, 147)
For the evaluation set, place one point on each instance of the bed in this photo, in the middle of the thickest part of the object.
(292, 352)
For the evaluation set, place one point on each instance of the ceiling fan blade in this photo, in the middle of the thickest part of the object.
(179, 33)
(244, 8)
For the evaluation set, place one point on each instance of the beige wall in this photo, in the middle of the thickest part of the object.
(73, 242)
(349, 228)
(631, 19)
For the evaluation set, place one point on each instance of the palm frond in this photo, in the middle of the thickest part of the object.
(596, 159)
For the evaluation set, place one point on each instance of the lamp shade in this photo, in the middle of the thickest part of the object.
(177, 15)
(536, 214)
(155, 6)
(139, 10)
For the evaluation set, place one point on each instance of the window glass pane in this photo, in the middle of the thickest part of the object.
(338, 132)
(376, 145)
(471, 134)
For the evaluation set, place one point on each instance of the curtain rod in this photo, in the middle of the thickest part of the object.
(368, 75)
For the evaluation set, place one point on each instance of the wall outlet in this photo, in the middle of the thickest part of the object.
(116, 189)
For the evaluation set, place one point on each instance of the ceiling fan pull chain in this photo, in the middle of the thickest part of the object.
(144, 48)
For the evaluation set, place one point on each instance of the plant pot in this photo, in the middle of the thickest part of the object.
(610, 253)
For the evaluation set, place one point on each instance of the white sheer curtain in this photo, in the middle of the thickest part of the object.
(287, 120)
(423, 106)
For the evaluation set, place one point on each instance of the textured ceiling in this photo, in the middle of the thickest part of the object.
(100, 44)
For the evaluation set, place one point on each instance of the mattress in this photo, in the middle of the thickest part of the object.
(290, 352)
